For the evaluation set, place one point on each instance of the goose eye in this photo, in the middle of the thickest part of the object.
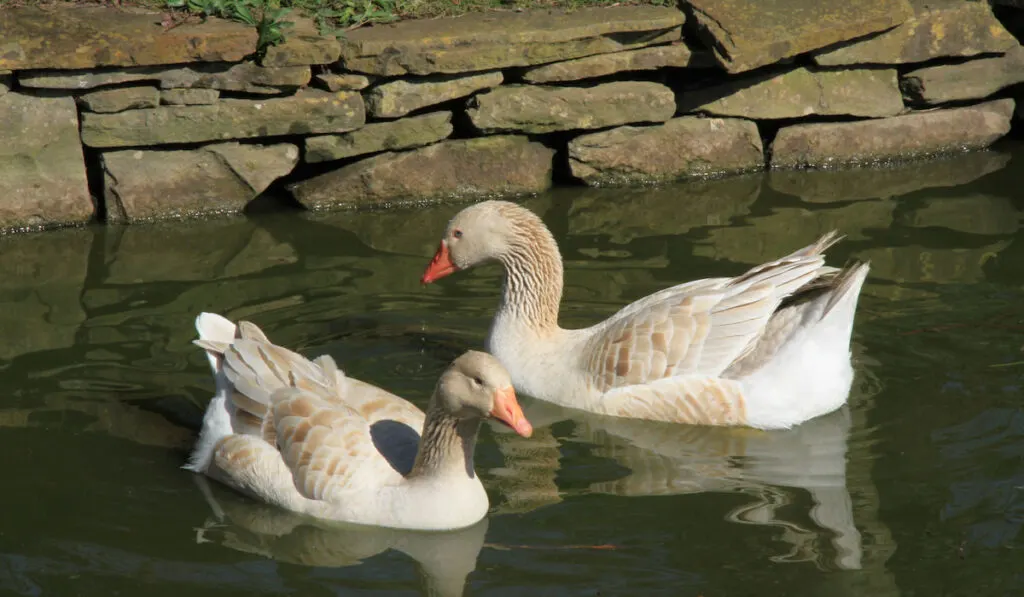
(478, 381)
(457, 234)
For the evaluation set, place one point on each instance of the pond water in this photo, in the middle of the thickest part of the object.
(917, 488)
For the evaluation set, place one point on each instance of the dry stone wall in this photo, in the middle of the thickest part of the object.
(107, 113)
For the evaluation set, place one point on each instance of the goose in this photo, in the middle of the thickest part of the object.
(303, 436)
(767, 349)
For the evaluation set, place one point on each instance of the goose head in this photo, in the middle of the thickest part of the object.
(477, 386)
(485, 231)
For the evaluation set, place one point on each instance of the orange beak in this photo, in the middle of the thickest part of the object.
(440, 266)
(507, 410)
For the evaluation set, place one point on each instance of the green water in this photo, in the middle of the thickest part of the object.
(916, 489)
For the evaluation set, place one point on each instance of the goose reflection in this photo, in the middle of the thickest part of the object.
(444, 559)
(668, 459)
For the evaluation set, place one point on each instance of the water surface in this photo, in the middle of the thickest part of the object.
(916, 488)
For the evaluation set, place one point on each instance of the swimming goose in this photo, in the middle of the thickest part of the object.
(303, 436)
(767, 349)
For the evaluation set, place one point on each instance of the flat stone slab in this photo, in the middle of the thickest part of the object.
(189, 97)
(505, 165)
(682, 147)
(343, 82)
(542, 109)
(247, 77)
(70, 36)
(974, 79)
(938, 29)
(800, 92)
(398, 98)
(303, 46)
(221, 178)
(676, 55)
(375, 137)
(492, 40)
(307, 112)
(121, 99)
(887, 180)
(42, 170)
(746, 34)
(916, 134)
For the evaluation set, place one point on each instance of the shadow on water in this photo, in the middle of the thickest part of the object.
(104, 392)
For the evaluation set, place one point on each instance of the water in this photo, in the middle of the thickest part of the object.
(917, 488)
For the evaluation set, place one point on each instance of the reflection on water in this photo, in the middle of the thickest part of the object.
(104, 393)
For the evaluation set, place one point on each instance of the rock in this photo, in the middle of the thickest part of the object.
(75, 36)
(938, 29)
(887, 180)
(975, 79)
(662, 211)
(676, 54)
(222, 178)
(307, 112)
(41, 289)
(800, 92)
(919, 133)
(303, 46)
(398, 98)
(247, 77)
(6, 81)
(345, 82)
(744, 34)
(118, 100)
(189, 97)
(492, 40)
(42, 170)
(973, 214)
(381, 136)
(545, 109)
(682, 147)
(483, 167)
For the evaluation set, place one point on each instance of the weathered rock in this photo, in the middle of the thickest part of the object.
(6, 80)
(307, 112)
(484, 167)
(887, 180)
(189, 97)
(975, 79)
(42, 171)
(119, 100)
(381, 136)
(398, 98)
(534, 109)
(682, 147)
(919, 133)
(677, 54)
(345, 82)
(664, 210)
(800, 92)
(974, 214)
(939, 28)
(247, 77)
(486, 41)
(222, 178)
(75, 36)
(303, 46)
(744, 34)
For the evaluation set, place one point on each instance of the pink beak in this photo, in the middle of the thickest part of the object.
(507, 410)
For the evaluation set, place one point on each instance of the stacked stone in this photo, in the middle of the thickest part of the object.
(182, 121)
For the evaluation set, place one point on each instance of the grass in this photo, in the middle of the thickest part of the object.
(272, 18)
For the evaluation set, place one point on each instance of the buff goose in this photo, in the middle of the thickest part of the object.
(302, 436)
(768, 349)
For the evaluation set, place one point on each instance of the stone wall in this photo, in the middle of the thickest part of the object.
(115, 115)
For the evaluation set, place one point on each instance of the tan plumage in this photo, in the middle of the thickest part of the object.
(302, 435)
(719, 351)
